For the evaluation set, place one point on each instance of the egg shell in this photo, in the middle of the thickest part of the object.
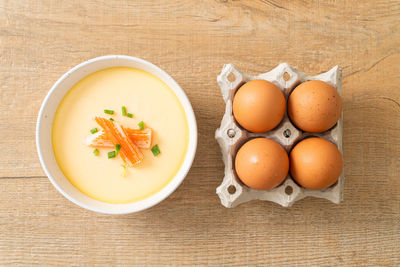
(315, 163)
(262, 163)
(314, 106)
(259, 106)
(231, 137)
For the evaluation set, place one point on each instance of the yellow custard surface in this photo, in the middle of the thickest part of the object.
(149, 100)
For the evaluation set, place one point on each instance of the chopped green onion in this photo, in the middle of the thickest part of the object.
(94, 130)
(111, 119)
(108, 111)
(111, 154)
(130, 115)
(124, 111)
(156, 150)
(141, 125)
(117, 147)
(124, 171)
(96, 152)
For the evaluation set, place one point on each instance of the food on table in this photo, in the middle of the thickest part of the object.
(315, 163)
(259, 106)
(314, 106)
(152, 117)
(262, 164)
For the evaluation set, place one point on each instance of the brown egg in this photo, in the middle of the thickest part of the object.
(314, 106)
(262, 164)
(315, 163)
(259, 106)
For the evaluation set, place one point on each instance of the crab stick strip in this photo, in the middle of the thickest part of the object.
(129, 152)
(142, 138)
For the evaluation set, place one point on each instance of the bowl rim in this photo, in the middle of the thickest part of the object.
(172, 185)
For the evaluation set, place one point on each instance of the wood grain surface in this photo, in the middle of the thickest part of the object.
(191, 40)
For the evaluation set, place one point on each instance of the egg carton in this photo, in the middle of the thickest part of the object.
(231, 136)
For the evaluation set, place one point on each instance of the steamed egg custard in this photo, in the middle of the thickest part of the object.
(120, 135)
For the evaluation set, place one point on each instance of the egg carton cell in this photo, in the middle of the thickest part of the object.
(231, 136)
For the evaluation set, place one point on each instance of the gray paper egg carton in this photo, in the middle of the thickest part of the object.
(231, 136)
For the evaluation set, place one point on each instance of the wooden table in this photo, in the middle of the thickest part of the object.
(191, 40)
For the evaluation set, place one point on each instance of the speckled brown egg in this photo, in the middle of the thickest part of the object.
(262, 164)
(314, 106)
(315, 163)
(259, 106)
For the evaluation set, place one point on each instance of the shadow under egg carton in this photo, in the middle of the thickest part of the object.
(231, 137)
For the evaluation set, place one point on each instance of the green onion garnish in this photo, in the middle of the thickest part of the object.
(124, 171)
(141, 125)
(96, 152)
(108, 111)
(111, 119)
(117, 147)
(111, 154)
(130, 115)
(124, 111)
(94, 130)
(156, 150)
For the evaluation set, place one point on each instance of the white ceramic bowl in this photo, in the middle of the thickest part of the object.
(44, 128)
